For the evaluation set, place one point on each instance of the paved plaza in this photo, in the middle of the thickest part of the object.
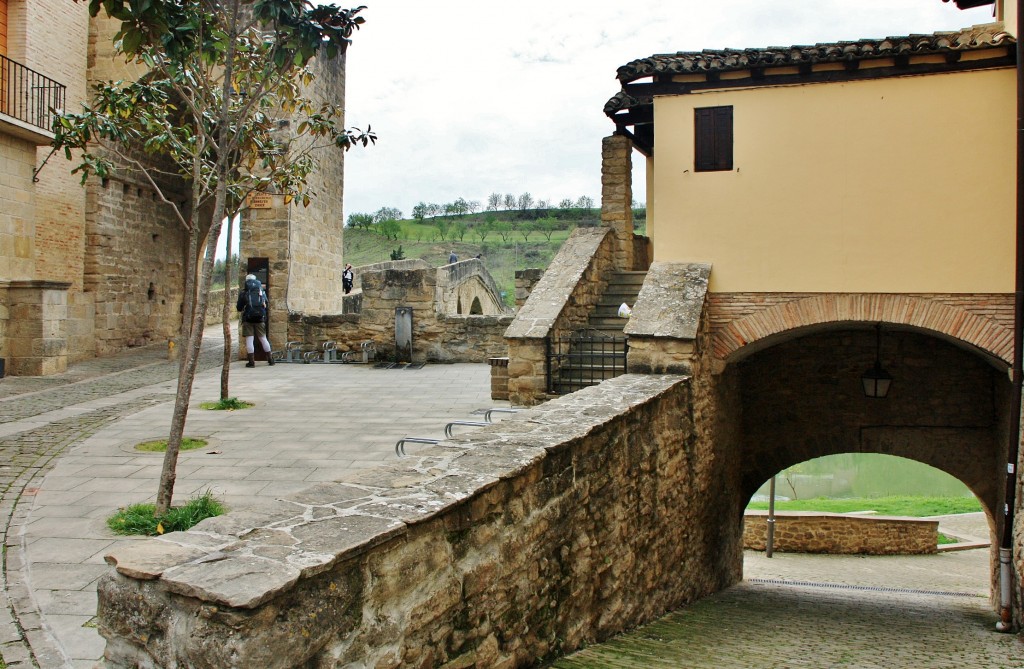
(68, 462)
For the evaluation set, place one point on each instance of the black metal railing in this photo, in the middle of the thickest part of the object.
(585, 358)
(29, 96)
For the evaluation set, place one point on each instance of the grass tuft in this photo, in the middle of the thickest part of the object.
(140, 518)
(160, 445)
(226, 404)
(896, 505)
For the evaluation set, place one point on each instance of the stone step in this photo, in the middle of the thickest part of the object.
(627, 278)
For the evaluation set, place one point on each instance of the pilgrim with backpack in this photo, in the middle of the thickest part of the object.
(252, 302)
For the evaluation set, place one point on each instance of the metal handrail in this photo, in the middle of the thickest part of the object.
(28, 95)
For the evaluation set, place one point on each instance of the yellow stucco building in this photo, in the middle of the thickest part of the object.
(869, 166)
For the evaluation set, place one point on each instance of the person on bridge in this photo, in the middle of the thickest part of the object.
(347, 278)
(452, 258)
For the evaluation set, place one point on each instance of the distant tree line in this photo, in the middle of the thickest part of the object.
(506, 215)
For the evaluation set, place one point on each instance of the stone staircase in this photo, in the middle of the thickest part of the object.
(599, 352)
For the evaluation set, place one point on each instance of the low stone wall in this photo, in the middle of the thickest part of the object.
(215, 307)
(555, 527)
(797, 532)
(436, 336)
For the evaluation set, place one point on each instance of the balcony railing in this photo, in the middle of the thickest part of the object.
(29, 96)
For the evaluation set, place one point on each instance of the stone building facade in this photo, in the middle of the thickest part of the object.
(94, 269)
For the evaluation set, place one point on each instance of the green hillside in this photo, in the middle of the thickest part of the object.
(505, 241)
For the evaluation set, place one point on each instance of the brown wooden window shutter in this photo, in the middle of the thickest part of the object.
(712, 139)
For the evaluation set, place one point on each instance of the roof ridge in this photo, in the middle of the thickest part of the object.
(980, 36)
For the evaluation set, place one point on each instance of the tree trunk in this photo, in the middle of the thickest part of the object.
(225, 371)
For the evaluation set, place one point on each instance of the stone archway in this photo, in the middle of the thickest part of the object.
(801, 398)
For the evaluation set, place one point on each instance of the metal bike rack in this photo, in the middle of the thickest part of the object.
(400, 446)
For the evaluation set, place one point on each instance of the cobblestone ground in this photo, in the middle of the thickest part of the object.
(829, 611)
(33, 437)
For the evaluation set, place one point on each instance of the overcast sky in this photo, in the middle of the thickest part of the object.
(470, 97)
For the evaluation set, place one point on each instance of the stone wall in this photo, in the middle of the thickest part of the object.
(560, 302)
(135, 265)
(838, 534)
(526, 279)
(436, 336)
(215, 307)
(35, 333)
(551, 529)
(316, 231)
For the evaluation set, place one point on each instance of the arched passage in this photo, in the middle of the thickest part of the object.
(802, 398)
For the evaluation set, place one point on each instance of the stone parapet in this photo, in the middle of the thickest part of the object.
(524, 540)
(560, 302)
(665, 324)
(839, 534)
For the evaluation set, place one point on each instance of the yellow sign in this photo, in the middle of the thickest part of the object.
(261, 200)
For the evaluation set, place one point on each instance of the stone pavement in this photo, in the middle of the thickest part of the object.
(66, 448)
(66, 445)
(825, 611)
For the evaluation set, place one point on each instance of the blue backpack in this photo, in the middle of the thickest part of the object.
(255, 309)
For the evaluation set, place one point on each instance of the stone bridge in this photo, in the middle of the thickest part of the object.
(457, 312)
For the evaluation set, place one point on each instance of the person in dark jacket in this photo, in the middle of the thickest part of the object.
(252, 302)
(348, 277)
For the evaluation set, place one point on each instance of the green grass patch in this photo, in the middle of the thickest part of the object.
(227, 404)
(897, 505)
(160, 445)
(943, 539)
(140, 518)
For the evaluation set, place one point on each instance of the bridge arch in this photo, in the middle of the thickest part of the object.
(961, 321)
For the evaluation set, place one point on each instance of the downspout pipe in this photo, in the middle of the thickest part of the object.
(1005, 623)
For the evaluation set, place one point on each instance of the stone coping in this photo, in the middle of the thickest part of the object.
(248, 557)
(555, 288)
(865, 517)
(671, 301)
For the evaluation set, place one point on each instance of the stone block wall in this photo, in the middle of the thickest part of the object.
(560, 302)
(499, 378)
(553, 528)
(436, 337)
(135, 265)
(526, 279)
(838, 534)
(35, 332)
(215, 307)
(17, 209)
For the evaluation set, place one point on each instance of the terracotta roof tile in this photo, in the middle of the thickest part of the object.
(711, 60)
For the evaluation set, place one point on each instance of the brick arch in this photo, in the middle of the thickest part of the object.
(953, 321)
